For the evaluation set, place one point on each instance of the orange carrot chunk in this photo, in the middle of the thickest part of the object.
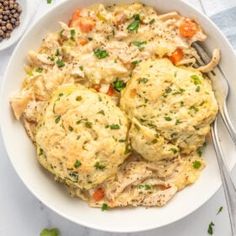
(177, 56)
(98, 195)
(110, 91)
(188, 28)
(97, 87)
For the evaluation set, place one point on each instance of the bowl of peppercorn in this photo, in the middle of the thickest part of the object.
(15, 16)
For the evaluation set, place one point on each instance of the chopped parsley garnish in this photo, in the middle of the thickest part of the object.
(136, 62)
(167, 118)
(198, 89)
(199, 151)
(101, 112)
(197, 164)
(168, 90)
(196, 79)
(145, 186)
(60, 94)
(210, 228)
(50, 232)
(72, 34)
(57, 53)
(41, 152)
(139, 44)
(174, 150)
(142, 80)
(99, 166)
(104, 207)
(60, 63)
(39, 70)
(100, 53)
(118, 85)
(88, 124)
(152, 21)
(70, 128)
(81, 68)
(114, 126)
(194, 108)
(78, 137)
(127, 149)
(154, 141)
(220, 210)
(58, 118)
(134, 25)
(74, 176)
(177, 122)
(78, 98)
(49, 1)
(77, 164)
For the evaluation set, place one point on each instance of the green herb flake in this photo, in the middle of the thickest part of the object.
(57, 120)
(142, 80)
(77, 164)
(154, 141)
(49, 1)
(78, 98)
(114, 126)
(60, 63)
(74, 176)
(139, 44)
(57, 53)
(152, 21)
(72, 34)
(210, 228)
(220, 210)
(50, 232)
(118, 85)
(174, 150)
(101, 112)
(198, 89)
(41, 152)
(194, 108)
(88, 124)
(99, 166)
(100, 53)
(136, 62)
(70, 128)
(167, 118)
(145, 186)
(104, 207)
(78, 137)
(39, 70)
(134, 25)
(197, 164)
(196, 79)
(199, 151)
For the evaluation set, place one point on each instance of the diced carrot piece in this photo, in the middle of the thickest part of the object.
(98, 195)
(83, 41)
(188, 28)
(110, 91)
(75, 15)
(177, 56)
(97, 87)
(86, 24)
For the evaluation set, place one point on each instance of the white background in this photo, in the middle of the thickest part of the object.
(22, 214)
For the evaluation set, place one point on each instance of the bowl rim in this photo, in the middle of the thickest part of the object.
(73, 219)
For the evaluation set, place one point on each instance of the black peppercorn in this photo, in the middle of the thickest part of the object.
(10, 11)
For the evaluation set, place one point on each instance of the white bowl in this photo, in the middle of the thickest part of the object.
(22, 152)
(28, 9)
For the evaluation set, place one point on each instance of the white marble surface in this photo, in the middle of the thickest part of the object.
(22, 214)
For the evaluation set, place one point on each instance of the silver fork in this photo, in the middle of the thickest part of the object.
(221, 88)
(228, 185)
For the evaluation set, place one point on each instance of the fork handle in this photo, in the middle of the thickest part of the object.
(228, 185)
(227, 121)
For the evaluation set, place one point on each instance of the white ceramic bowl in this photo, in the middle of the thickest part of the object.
(28, 9)
(22, 153)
